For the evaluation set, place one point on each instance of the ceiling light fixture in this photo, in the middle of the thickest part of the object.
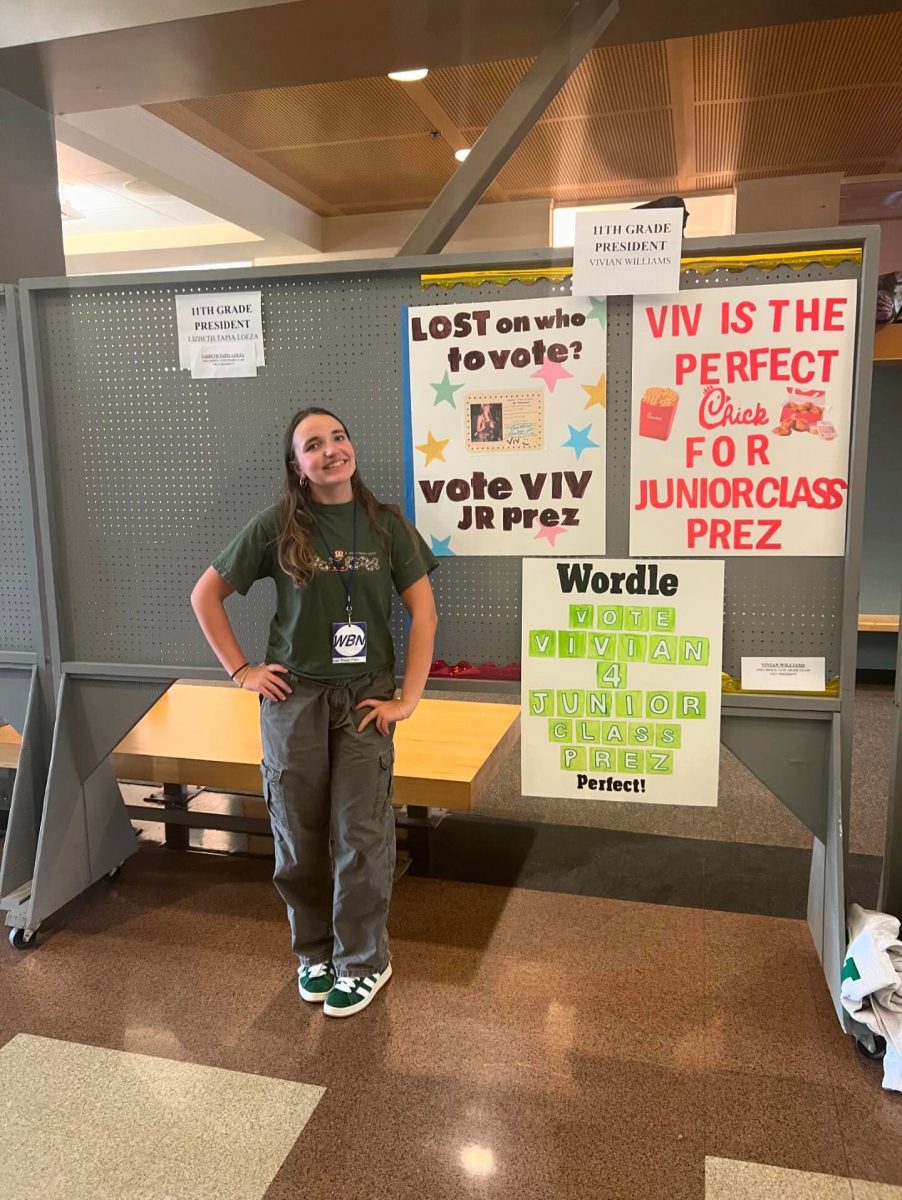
(460, 155)
(409, 76)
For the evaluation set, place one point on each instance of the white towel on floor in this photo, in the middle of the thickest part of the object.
(871, 989)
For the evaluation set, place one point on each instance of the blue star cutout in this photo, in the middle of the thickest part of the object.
(445, 390)
(579, 440)
(441, 547)
(599, 310)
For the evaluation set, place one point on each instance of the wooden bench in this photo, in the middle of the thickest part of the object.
(877, 623)
(208, 736)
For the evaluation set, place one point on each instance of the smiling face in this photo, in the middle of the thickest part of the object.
(324, 456)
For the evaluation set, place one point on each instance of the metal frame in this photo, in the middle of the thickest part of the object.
(799, 747)
(890, 899)
(25, 686)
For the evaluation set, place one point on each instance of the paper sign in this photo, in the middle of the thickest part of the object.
(629, 253)
(220, 334)
(507, 419)
(783, 674)
(741, 420)
(621, 680)
(229, 360)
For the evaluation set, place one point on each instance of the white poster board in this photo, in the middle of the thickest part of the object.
(630, 252)
(621, 680)
(741, 420)
(220, 334)
(506, 407)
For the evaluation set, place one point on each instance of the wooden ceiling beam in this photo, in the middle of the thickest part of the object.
(681, 81)
(435, 114)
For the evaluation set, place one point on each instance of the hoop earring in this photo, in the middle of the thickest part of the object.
(303, 481)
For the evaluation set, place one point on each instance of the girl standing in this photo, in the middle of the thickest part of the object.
(327, 706)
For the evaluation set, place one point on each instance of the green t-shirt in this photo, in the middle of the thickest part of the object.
(300, 634)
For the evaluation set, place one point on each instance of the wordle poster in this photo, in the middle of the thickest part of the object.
(621, 679)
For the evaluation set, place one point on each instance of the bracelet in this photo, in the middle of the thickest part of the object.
(237, 669)
(247, 667)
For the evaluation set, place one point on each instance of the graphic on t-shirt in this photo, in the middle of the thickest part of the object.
(344, 561)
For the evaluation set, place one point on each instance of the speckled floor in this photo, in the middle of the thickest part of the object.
(530, 1044)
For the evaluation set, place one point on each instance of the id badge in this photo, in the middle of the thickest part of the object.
(349, 642)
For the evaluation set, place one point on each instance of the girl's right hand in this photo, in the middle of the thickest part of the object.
(266, 679)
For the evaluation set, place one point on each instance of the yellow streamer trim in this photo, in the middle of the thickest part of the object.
(797, 260)
(729, 683)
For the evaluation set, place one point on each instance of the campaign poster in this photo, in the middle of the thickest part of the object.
(621, 680)
(506, 408)
(741, 420)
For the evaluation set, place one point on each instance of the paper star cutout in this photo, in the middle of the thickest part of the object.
(441, 547)
(597, 394)
(433, 449)
(551, 372)
(599, 311)
(579, 440)
(551, 532)
(444, 391)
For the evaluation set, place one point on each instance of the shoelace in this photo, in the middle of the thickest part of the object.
(318, 970)
(353, 982)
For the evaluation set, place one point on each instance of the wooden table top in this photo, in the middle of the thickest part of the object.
(9, 747)
(445, 755)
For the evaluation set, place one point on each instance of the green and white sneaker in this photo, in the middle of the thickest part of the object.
(316, 981)
(351, 995)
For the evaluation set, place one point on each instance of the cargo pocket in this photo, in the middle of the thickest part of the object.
(382, 802)
(272, 793)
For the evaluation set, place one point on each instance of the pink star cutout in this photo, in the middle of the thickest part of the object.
(551, 372)
(551, 532)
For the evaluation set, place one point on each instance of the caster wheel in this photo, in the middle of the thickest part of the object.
(114, 874)
(22, 938)
(879, 1048)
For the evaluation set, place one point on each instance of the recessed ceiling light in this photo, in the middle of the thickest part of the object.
(460, 155)
(409, 76)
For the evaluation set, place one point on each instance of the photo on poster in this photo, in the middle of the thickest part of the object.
(741, 420)
(506, 425)
(621, 680)
(504, 421)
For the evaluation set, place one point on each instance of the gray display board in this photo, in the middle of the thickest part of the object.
(142, 474)
(153, 472)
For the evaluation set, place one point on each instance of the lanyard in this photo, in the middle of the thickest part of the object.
(349, 570)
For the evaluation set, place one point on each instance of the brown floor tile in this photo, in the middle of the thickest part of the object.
(762, 1014)
(787, 1123)
(610, 1137)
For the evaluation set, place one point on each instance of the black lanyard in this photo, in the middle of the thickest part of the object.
(350, 569)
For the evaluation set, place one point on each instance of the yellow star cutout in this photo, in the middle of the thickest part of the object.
(597, 394)
(433, 449)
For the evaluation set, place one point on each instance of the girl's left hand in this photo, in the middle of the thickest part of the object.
(383, 712)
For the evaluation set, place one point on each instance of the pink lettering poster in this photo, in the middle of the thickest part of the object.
(741, 420)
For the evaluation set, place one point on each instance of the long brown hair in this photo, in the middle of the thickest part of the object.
(296, 552)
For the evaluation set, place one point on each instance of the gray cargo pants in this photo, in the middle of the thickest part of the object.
(325, 782)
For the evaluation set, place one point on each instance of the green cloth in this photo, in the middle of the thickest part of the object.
(300, 635)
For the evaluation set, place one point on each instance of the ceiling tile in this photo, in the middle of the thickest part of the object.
(354, 110)
(788, 135)
(592, 150)
(394, 170)
(787, 59)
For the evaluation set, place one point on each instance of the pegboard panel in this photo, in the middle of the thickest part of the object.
(154, 472)
(17, 599)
